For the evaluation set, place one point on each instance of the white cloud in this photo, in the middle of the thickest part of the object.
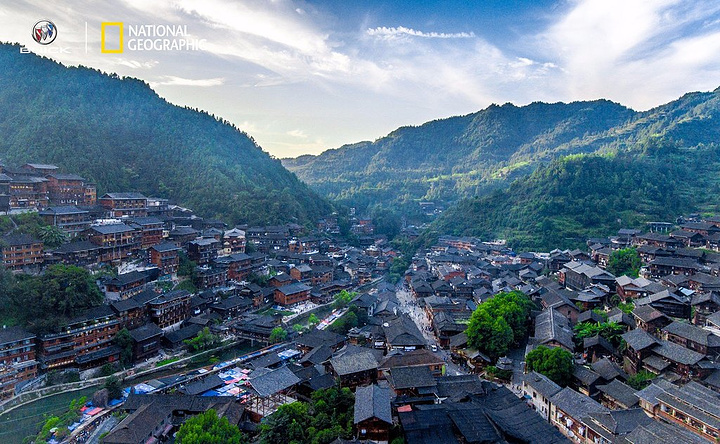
(300, 134)
(384, 32)
(179, 81)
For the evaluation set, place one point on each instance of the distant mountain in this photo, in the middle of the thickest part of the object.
(459, 156)
(121, 134)
(658, 165)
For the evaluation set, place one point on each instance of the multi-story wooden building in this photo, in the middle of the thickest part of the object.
(70, 189)
(166, 256)
(20, 251)
(203, 251)
(692, 407)
(17, 359)
(85, 341)
(28, 192)
(292, 294)
(234, 241)
(150, 230)
(238, 265)
(170, 309)
(117, 241)
(124, 204)
(72, 220)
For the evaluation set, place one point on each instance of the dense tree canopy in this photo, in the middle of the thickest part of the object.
(44, 303)
(624, 262)
(207, 428)
(98, 128)
(328, 416)
(499, 322)
(555, 363)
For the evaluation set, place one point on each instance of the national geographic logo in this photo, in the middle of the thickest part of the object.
(146, 38)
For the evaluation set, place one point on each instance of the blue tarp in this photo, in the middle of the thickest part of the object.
(211, 393)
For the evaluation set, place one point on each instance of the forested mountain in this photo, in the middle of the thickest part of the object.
(455, 157)
(121, 134)
(470, 156)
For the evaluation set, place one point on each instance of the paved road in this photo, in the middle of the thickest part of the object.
(105, 426)
(408, 305)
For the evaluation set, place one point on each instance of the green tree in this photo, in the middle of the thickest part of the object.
(288, 424)
(204, 340)
(114, 387)
(125, 342)
(44, 303)
(343, 298)
(555, 363)
(207, 428)
(500, 322)
(327, 416)
(278, 334)
(52, 237)
(641, 380)
(608, 330)
(313, 320)
(624, 262)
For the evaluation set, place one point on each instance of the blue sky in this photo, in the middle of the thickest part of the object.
(305, 76)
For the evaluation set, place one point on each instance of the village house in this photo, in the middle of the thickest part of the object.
(692, 407)
(203, 251)
(539, 389)
(372, 413)
(150, 230)
(292, 294)
(17, 360)
(84, 342)
(568, 407)
(166, 256)
(21, 251)
(167, 311)
(70, 189)
(117, 241)
(72, 220)
(124, 204)
(146, 341)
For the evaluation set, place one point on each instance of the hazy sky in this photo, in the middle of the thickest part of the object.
(305, 76)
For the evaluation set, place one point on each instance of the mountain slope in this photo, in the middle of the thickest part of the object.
(662, 163)
(121, 134)
(460, 156)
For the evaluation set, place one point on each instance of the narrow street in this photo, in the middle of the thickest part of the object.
(409, 305)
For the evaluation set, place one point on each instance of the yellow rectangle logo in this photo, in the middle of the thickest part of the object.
(103, 47)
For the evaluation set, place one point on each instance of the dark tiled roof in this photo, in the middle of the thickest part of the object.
(119, 196)
(542, 384)
(677, 353)
(354, 360)
(67, 209)
(274, 381)
(656, 432)
(622, 393)
(639, 339)
(372, 402)
(17, 240)
(13, 334)
(165, 247)
(293, 288)
(576, 404)
(146, 332)
(112, 229)
(411, 377)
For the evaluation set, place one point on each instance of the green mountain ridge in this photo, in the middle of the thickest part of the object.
(456, 157)
(119, 133)
(542, 176)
